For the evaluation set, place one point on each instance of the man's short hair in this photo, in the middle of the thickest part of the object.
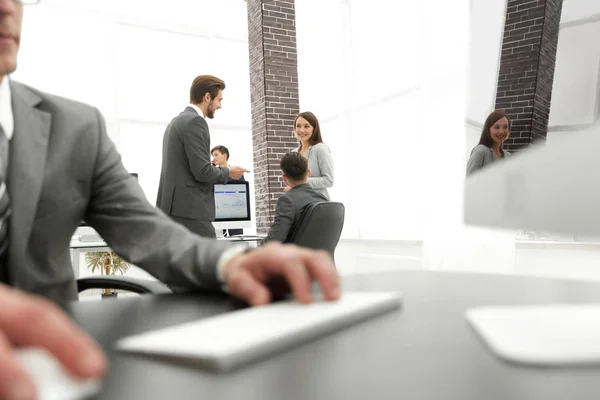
(203, 84)
(222, 150)
(294, 166)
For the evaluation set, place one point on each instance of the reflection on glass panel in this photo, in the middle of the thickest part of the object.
(576, 86)
(575, 11)
(549, 192)
(485, 41)
(574, 108)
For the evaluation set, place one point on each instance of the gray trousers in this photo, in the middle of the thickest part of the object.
(199, 227)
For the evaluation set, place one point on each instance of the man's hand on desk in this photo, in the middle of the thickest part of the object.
(279, 268)
(27, 320)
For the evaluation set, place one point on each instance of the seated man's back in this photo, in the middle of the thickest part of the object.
(299, 194)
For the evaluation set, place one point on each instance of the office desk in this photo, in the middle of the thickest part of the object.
(246, 238)
(78, 247)
(424, 351)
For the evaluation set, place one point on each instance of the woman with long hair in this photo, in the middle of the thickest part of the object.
(320, 163)
(493, 135)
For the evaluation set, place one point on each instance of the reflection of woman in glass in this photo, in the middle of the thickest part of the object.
(320, 163)
(495, 132)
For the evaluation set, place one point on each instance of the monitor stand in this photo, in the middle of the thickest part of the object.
(219, 233)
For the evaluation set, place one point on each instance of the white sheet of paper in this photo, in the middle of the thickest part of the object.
(541, 334)
(53, 382)
(226, 341)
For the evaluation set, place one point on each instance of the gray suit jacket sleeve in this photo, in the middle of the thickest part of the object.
(324, 178)
(284, 219)
(142, 234)
(196, 142)
(476, 161)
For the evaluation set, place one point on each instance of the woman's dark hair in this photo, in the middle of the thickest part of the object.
(486, 137)
(314, 122)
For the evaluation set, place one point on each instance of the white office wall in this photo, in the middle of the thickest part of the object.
(486, 25)
(575, 103)
(577, 10)
(361, 79)
(135, 61)
(69, 52)
(400, 72)
(575, 93)
(397, 72)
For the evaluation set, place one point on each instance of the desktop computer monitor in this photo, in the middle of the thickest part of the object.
(232, 206)
(552, 188)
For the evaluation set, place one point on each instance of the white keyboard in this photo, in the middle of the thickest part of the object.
(227, 341)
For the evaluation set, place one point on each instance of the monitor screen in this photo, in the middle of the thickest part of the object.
(232, 202)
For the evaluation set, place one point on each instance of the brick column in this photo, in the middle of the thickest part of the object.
(527, 68)
(274, 97)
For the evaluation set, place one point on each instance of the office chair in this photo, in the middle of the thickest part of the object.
(139, 286)
(320, 226)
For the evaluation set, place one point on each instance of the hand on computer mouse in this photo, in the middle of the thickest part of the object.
(31, 321)
(274, 268)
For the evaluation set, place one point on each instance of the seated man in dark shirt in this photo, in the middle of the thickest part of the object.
(220, 156)
(291, 204)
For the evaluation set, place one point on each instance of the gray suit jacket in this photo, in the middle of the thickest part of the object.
(187, 175)
(320, 163)
(63, 169)
(289, 209)
(480, 157)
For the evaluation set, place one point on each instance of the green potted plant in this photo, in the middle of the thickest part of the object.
(108, 263)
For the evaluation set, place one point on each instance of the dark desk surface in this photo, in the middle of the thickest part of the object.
(424, 351)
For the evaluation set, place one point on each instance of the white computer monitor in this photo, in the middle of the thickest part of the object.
(232, 206)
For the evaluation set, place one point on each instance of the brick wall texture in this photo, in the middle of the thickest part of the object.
(274, 97)
(527, 68)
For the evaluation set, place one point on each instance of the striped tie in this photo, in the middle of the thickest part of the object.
(4, 207)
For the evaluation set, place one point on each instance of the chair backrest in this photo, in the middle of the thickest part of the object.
(320, 226)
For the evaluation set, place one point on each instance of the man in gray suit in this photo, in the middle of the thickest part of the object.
(291, 204)
(186, 191)
(62, 168)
